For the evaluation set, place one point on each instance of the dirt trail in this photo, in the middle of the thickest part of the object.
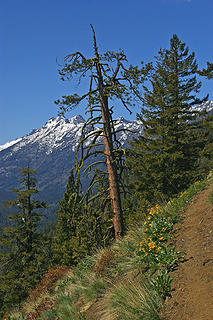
(192, 298)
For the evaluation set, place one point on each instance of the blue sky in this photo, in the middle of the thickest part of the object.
(33, 33)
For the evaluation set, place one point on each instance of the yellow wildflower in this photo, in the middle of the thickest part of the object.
(151, 244)
(161, 238)
(152, 211)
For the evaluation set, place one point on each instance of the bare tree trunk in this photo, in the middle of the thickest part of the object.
(108, 145)
(112, 171)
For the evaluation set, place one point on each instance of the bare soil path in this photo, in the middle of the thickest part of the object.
(192, 298)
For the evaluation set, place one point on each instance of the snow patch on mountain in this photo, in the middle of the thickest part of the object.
(59, 132)
(205, 106)
(51, 135)
(9, 144)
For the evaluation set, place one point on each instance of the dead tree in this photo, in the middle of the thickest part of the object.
(109, 79)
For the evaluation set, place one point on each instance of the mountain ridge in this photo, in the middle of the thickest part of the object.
(78, 119)
(50, 151)
(65, 126)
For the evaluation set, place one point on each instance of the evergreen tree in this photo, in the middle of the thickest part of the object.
(80, 228)
(207, 157)
(23, 261)
(68, 216)
(208, 72)
(165, 159)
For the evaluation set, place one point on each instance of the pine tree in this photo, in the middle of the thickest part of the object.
(23, 261)
(68, 218)
(109, 79)
(165, 159)
(80, 228)
(208, 72)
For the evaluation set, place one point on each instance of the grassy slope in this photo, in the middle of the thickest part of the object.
(129, 280)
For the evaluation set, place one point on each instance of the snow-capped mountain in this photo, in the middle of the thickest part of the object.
(57, 132)
(51, 135)
(50, 151)
(207, 106)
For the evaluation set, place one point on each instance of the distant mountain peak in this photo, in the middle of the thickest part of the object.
(51, 151)
(207, 106)
(122, 119)
(77, 119)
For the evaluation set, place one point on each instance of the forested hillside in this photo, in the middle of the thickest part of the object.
(119, 229)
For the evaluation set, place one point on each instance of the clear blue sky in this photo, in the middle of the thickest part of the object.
(33, 33)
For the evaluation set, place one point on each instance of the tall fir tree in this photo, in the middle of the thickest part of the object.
(81, 228)
(165, 159)
(68, 216)
(23, 260)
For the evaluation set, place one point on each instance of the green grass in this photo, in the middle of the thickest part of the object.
(134, 299)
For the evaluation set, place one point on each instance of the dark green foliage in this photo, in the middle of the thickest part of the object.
(68, 215)
(165, 160)
(206, 159)
(208, 72)
(162, 283)
(129, 200)
(81, 227)
(25, 259)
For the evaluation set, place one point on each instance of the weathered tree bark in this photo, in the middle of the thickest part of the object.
(114, 191)
(112, 171)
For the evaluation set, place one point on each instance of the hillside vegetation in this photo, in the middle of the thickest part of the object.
(129, 280)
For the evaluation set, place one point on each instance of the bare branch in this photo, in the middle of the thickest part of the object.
(125, 105)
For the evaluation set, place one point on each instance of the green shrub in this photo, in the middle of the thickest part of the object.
(162, 283)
